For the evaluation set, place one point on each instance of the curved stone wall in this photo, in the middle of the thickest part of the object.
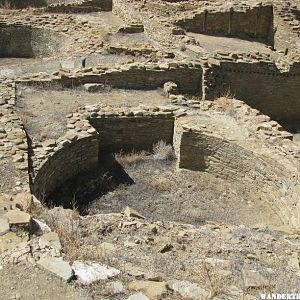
(81, 147)
(73, 158)
(273, 178)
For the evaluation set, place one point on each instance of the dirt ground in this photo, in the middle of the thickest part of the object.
(29, 282)
(214, 44)
(161, 192)
(44, 111)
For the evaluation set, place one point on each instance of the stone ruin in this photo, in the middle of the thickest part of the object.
(70, 47)
(184, 49)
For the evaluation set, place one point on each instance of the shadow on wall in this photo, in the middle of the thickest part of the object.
(85, 169)
(255, 23)
(16, 42)
(85, 187)
(19, 4)
(27, 42)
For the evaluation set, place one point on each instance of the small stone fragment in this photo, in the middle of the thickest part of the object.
(129, 212)
(152, 289)
(165, 248)
(114, 288)
(188, 290)
(50, 240)
(138, 296)
(39, 228)
(17, 217)
(252, 279)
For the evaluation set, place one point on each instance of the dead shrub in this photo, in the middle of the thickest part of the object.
(160, 184)
(132, 158)
(210, 277)
(227, 93)
(163, 151)
(65, 222)
(7, 5)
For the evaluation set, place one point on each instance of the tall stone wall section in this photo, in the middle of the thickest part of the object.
(135, 132)
(15, 41)
(19, 4)
(27, 42)
(85, 6)
(260, 84)
(255, 22)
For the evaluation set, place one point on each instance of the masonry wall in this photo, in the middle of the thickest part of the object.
(188, 78)
(23, 3)
(200, 151)
(81, 7)
(261, 85)
(26, 42)
(78, 156)
(128, 133)
(15, 41)
(255, 23)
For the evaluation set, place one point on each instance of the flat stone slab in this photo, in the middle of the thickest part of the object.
(17, 217)
(253, 279)
(50, 240)
(4, 225)
(9, 241)
(57, 266)
(188, 290)
(152, 289)
(90, 272)
(138, 296)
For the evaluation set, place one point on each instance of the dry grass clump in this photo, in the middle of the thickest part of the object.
(132, 158)
(227, 93)
(7, 5)
(65, 222)
(210, 277)
(163, 151)
(160, 184)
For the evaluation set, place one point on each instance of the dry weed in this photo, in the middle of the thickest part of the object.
(7, 5)
(132, 158)
(160, 184)
(65, 222)
(227, 93)
(163, 151)
(210, 277)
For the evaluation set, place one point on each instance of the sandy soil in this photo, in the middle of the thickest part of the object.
(44, 112)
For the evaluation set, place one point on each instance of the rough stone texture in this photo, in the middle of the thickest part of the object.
(17, 217)
(4, 225)
(154, 290)
(76, 156)
(50, 240)
(200, 149)
(57, 266)
(254, 22)
(28, 42)
(148, 130)
(260, 84)
(138, 296)
(188, 290)
(91, 272)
